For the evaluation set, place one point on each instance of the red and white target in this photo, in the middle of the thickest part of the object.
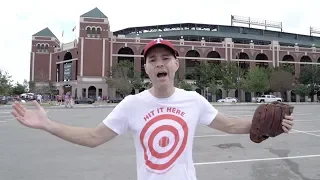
(163, 140)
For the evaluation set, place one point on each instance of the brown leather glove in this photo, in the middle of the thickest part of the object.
(267, 120)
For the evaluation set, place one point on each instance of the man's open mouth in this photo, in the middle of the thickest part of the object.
(162, 74)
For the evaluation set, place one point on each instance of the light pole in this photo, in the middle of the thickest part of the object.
(238, 78)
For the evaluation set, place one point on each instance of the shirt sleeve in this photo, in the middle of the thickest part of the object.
(118, 119)
(207, 111)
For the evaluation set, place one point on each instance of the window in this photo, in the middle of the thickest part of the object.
(42, 47)
(88, 31)
(46, 48)
(98, 32)
(93, 32)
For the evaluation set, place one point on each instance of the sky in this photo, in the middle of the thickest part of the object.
(23, 18)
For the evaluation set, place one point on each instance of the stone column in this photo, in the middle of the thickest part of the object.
(315, 98)
(224, 93)
(252, 95)
(137, 64)
(289, 96)
(243, 96)
(214, 98)
(87, 93)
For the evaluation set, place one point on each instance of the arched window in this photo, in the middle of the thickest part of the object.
(46, 48)
(93, 32)
(98, 32)
(88, 32)
(42, 47)
(38, 48)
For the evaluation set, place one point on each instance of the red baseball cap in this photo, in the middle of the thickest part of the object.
(159, 42)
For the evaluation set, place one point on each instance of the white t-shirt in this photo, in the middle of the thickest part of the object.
(163, 130)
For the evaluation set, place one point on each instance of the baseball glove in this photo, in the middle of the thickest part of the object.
(267, 120)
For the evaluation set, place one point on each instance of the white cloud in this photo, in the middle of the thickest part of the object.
(28, 17)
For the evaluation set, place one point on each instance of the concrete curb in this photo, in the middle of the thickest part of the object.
(114, 105)
(255, 104)
(62, 107)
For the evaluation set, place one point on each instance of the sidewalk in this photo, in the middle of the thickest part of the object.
(255, 104)
(112, 105)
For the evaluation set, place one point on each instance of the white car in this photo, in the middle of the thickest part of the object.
(268, 99)
(228, 100)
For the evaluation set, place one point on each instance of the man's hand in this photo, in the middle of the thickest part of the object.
(36, 119)
(270, 120)
(287, 123)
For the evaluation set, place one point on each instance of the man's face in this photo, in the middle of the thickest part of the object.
(161, 66)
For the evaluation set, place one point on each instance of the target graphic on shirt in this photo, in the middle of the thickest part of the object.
(163, 140)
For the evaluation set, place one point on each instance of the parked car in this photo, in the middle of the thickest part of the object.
(228, 100)
(3, 100)
(114, 100)
(84, 101)
(268, 99)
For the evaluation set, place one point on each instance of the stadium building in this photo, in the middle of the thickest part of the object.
(80, 66)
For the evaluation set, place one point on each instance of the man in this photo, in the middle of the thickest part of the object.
(39, 98)
(163, 120)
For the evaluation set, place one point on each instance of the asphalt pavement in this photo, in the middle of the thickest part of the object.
(27, 154)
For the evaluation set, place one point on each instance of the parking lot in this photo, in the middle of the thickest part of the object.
(32, 154)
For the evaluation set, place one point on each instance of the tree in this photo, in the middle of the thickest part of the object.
(287, 67)
(5, 83)
(18, 89)
(256, 80)
(281, 81)
(49, 89)
(212, 88)
(205, 74)
(124, 78)
(25, 85)
(310, 76)
(184, 85)
(136, 81)
(302, 90)
(31, 86)
(231, 72)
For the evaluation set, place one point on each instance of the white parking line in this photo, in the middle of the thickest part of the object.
(3, 121)
(223, 135)
(5, 116)
(5, 112)
(302, 114)
(10, 119)
(253, 160)
(312, 131)
(309, 120)
(213, 135)
(304, 132)
(295, 114)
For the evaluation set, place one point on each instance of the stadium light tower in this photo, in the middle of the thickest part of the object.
(258, 22)
(314, 30)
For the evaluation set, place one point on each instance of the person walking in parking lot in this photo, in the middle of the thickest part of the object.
(163, 120)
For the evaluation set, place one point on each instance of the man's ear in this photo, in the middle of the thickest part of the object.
(145, 68)
(177, 63)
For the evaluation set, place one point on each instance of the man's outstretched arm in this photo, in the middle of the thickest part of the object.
(231, 125)
(89, 137)
(235, 125)
(38, 119)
